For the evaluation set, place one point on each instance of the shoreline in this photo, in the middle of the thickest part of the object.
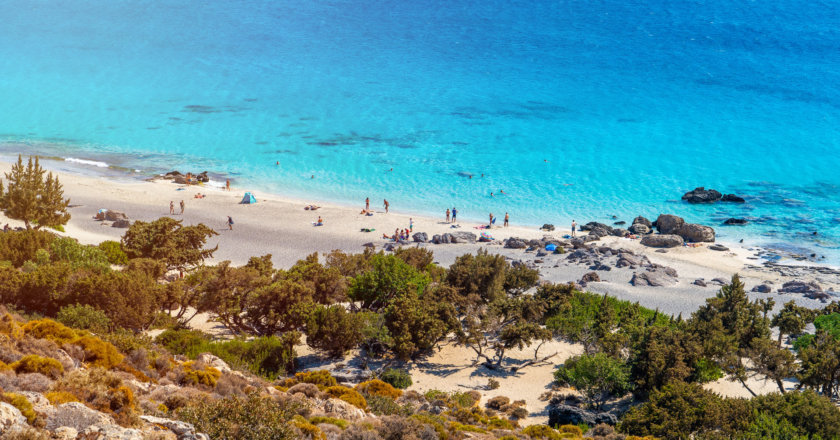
(279, 226)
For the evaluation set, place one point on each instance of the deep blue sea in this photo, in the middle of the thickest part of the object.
(576, 109)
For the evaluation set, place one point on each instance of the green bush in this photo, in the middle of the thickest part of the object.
(32, 363)
(268, 356)
(113, 252)
(77, 254)
(398, 378)
(20, 246)
(334, 330)
(596, 376)
(84, 317)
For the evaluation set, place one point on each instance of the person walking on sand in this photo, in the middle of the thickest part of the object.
(367, 203)
(574, 226)
(230, 223)
(507, 219)
(454, 215)
(171, 207)
(447, 215)
(386, 205)
(182, 207)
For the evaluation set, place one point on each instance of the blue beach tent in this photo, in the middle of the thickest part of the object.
(248, 199)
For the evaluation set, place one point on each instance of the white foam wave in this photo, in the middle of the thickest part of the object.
(86, 162)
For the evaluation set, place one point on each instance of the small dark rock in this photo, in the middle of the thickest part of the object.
(121, 223)
(702, 195)
(762, 288)
(547, 227)
(699, 282)
(572, 415)
(590, 277)
(620, 223)
(732, 198)
(718, 247)
(735, 221)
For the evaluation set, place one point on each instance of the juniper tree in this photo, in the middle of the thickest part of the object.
(31, 196)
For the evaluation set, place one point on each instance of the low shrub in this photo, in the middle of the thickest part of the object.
(386, 406)
(542, 432)
(21, 403)
(307, 389)
(493, 384)
(497, 402)
(332, 421)
(194, 375)
(50, 330)
(113, 252)
(252, 417)
(377, 387)
(20, 246)
(59, 397)
(38, 364)
(101, 390)
(397, 378)
(321, 378)
(84, 317)
(99, 353)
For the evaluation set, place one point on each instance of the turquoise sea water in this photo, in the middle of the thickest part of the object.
(575, 109)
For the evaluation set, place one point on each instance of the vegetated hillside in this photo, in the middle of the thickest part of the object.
(88, 369)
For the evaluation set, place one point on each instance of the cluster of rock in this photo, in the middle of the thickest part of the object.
(118, 219)
(702, 195)
(567, 410)
(596, 259)
(177, 177)
(809, 289)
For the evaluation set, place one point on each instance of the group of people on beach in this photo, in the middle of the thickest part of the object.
(172, 207)
(453, 213)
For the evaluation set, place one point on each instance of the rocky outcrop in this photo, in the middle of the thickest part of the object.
(642, 221)
(735, 221)
(463, 237)
(10, 417)
(214, 361)
(343, 410)
(699, 282)
(442, 239)
(547, 227)
(639, 228)
(122, 223)
(702, 195)
(420, 237)
(561, 414)
(809, 289)
(655, 276)
(184, 430)
(669, 224)
(697, 233)
(732, 198)
(515, 243)
(590, 277)
(762, 288)
(662, 240)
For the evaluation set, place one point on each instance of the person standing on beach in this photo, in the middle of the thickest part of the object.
(171, 207)
(386, 205)
(454, 214)
(447, 215)
(227, 185)
(230, 223)
(410, 224)
(574, 226)
(367, 203)
(507, 219)
(182, 207)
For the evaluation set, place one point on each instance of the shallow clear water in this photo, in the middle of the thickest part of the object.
(575, 109)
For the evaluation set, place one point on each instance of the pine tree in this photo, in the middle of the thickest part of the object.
(31, 197)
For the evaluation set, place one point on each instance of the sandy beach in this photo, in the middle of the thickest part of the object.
(281, 227)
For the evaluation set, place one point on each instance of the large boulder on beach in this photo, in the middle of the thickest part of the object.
(655, 276)
(463, 237)
(702, 195)
(695, 233)
(619, 232)
(420, 237)
(639, 228)
(809, 289)
(662, 240)
(113, 216)
(762, 288)
(121, 223)
(202, 177)
(642, 221)
(516, 243)
(442, 239)
(590, 277)
(547, 227)
(669, 224)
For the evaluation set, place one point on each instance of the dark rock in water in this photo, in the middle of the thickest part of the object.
(547, 227)
(639, 228)
(702, 195)
(590, 277)
(463, 237)
(620, 223)
(420, 237)
(662, 241)
(571, 415)
(762, 288)
(735, 221)
(732, 198)
(515, 243)
(669, 224)
(697, 233)
(121, 223)
(642, 221)
(202, 177)
(718, 247)
(699, 282)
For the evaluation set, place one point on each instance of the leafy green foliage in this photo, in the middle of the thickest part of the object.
(31, 197)
(397, 378)
(253, 417)
(389, 278)
(416, 325)
(478, 278)
(334, 330)
(78, 255)
(597, 376)
(792, 319)
(113, 252)
(21, 246)
(167, 240)
(84, 317)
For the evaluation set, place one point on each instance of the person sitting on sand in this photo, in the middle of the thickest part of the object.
(320, 221)
(198, 196)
